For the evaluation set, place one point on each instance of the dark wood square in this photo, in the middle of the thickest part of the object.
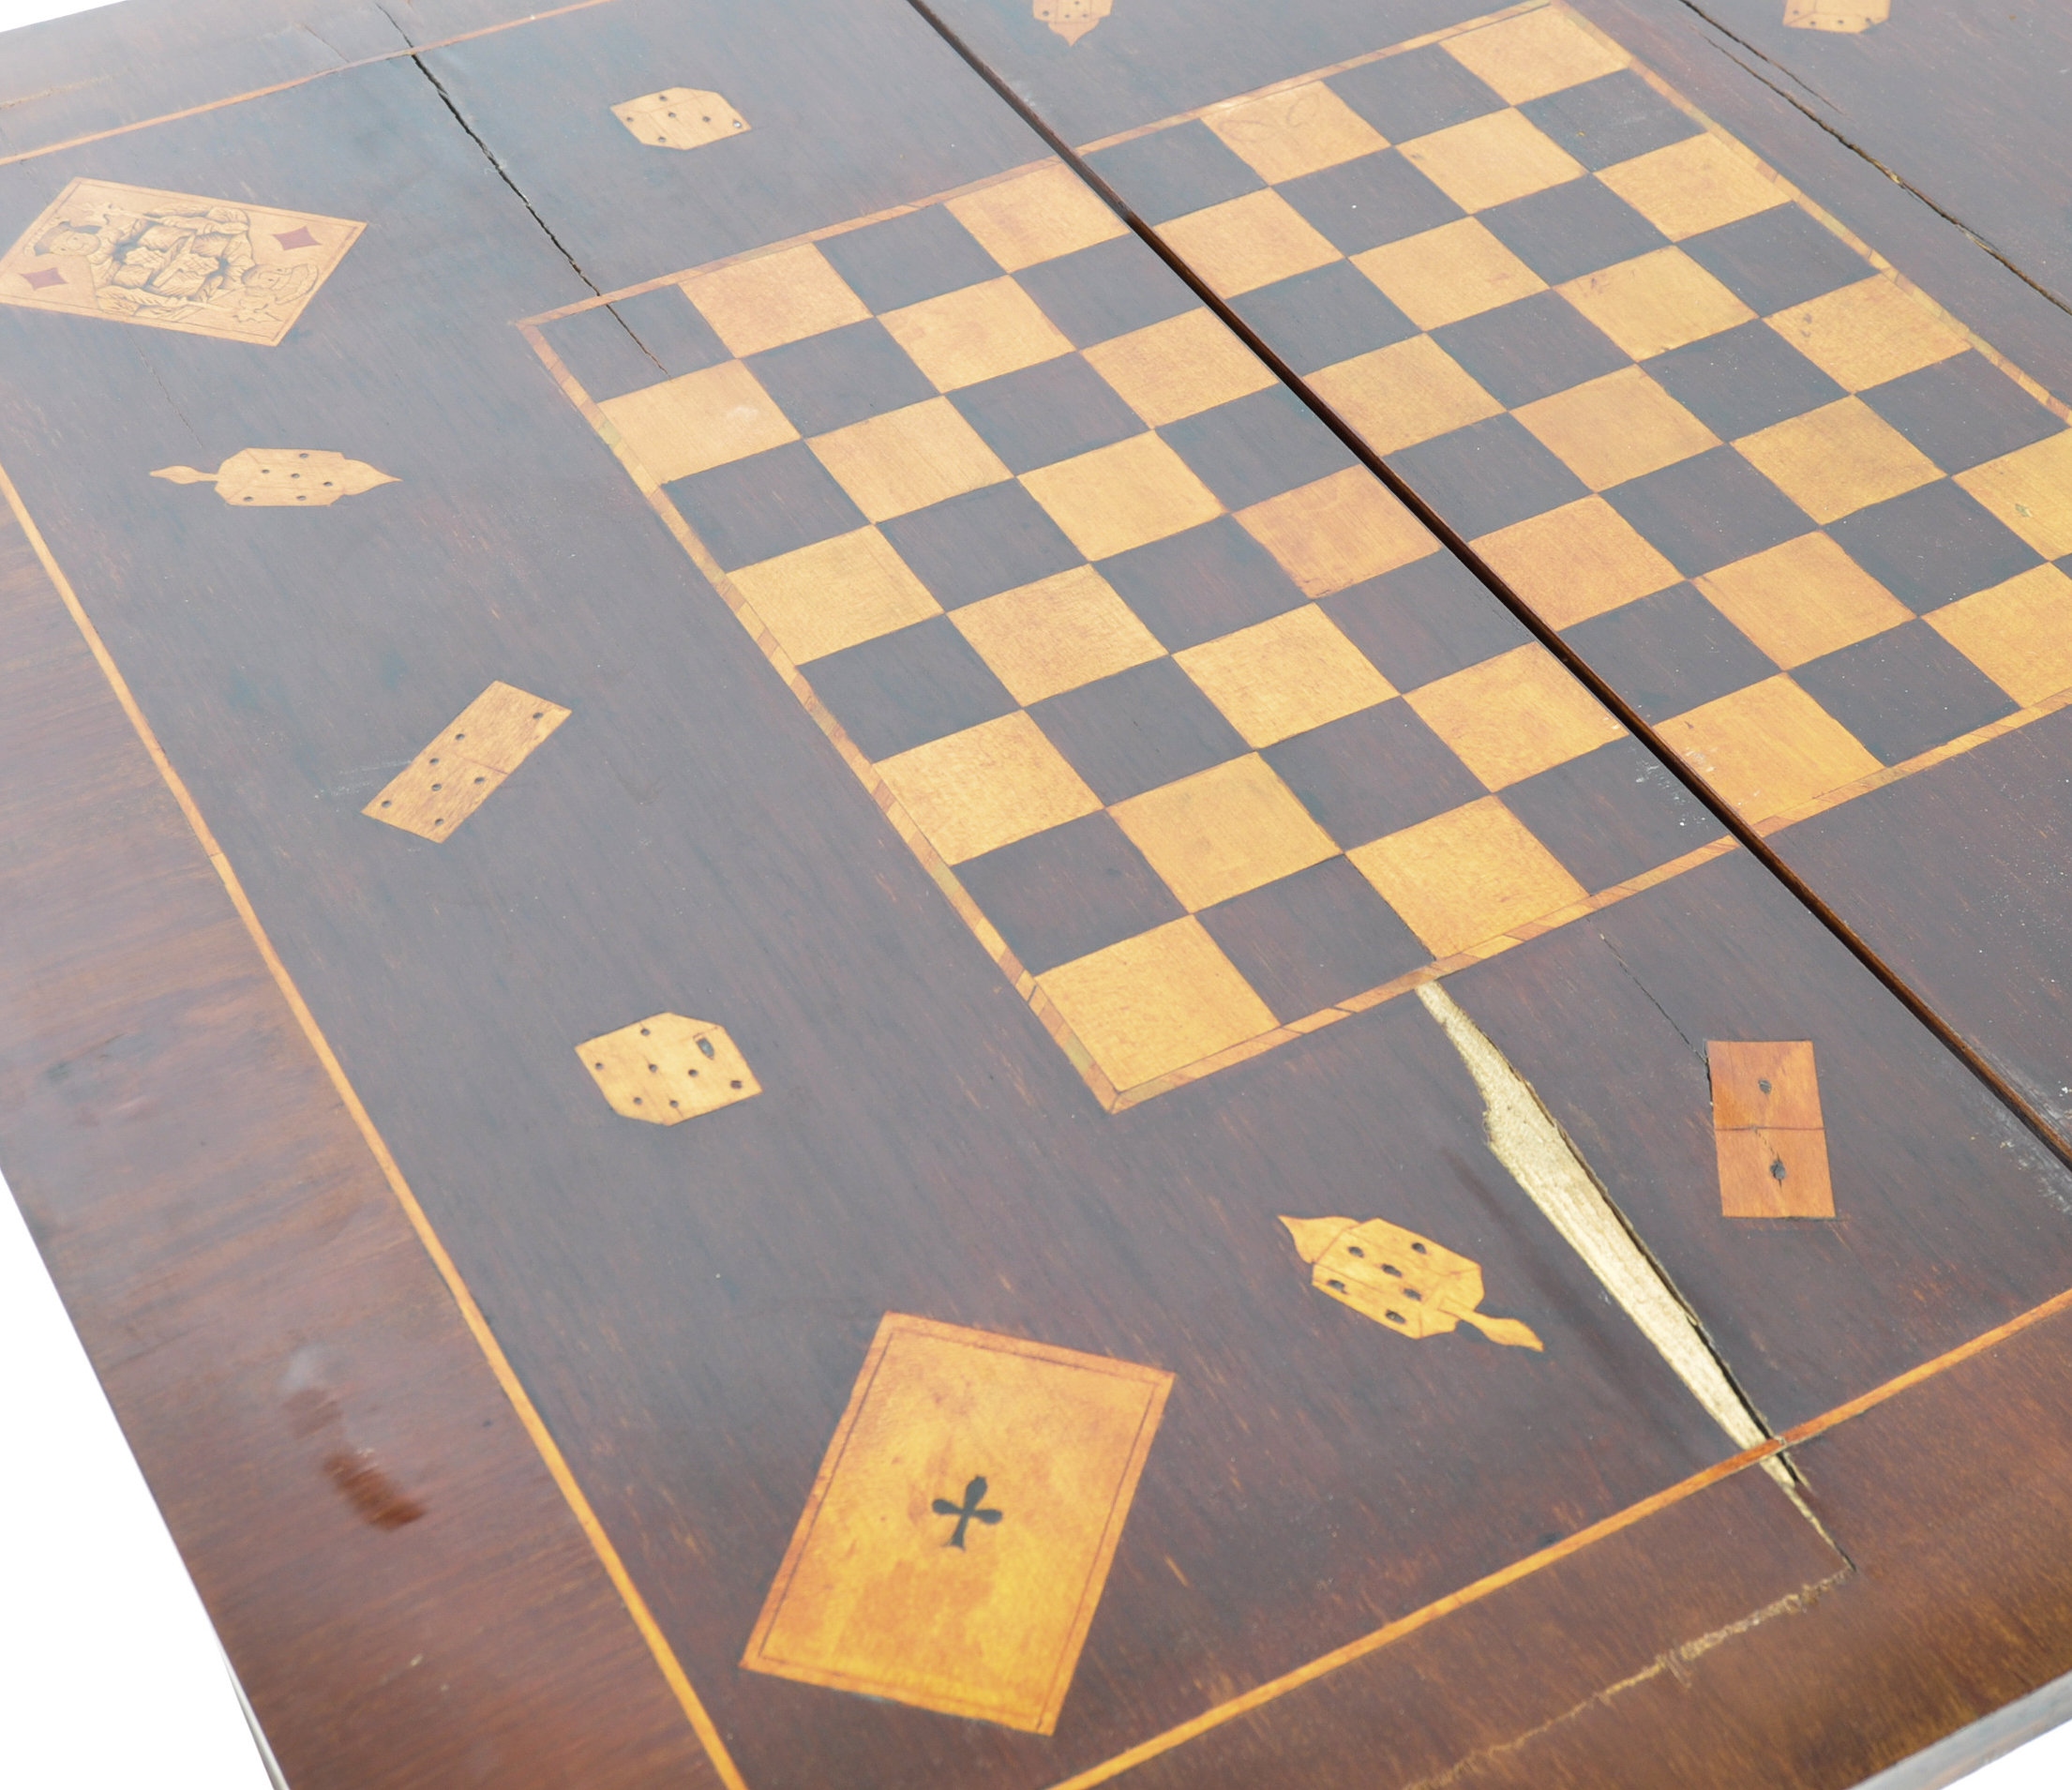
(1106, 291)
(980, 543)
(1171, 173)
(1070, 889)
(1904, 691)
(1320, 318)
(905, 688)
(1574, 229)
(1612, 813)
(1373, 772)
(1487, 476)
(1314, 938)
(1046, 413)
(1777, 258)
(1532, 348)
(1257, 446)
(1743, 379)
(1709, 511)
(1932, 546)
(1961, 412)
(1137, 730)
(1425, 620)
(1377, 199)
(905, 260)
(1413, 93)
(840, 377)
(617, 348)
(766, 504)
(1669, 653)
(1201, 583)
(1612, 118)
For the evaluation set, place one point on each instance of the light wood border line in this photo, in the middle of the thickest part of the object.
(299, 80)
(1157, 1382)
(471, 1312)
(1028, 986)
(476, 1322)
(1408, 44)
(1741, 151)
(1111, 1098)
(565, 1480)
(1326, 1664)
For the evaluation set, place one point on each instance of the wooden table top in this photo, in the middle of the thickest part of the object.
(1181, 685)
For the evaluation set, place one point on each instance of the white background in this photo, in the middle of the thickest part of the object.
(111, 1676)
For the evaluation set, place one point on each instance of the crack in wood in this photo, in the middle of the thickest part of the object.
(1982, 244)
(1526, 1137)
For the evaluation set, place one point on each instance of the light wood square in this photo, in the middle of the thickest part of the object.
(881, 1595)
(774, 299)
(1465, 876)
(1803, 599)
(908, 458)
(974, 791)
(501, 726)
(1515, 715)
(468, 760)
(1224, 831)
(1489, 160)
(1339, 530)
(669, 1067)
(1156, 1002)
(2030, 490)
(1533, 55)
(1248, 241)
(1441, 275)
(1293, 132)
(1773, 1174)
(2019, 633)
(1768, 749)
(1119, 497)
(1863, 334)
(1581, 559)
(1834, 460)
(834, 594)
(1179, 367)
(698, 422)
(1406, 393)
(1057, 634)
(1617, 427)
(1768, 1084)
(1655, 302)
(1692, 186)
(1036, 217)
(1285, 676)
(974, 333)
(230, 268)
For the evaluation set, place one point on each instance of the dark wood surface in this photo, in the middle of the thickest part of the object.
(375, 1535)
(1942, 1542)
(406, 1593)
(1954, 208)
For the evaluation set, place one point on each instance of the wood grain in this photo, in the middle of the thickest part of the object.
(690, 1324)
(353, 1492)
(687, 1312)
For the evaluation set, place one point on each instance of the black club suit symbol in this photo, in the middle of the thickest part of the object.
(974, 1496)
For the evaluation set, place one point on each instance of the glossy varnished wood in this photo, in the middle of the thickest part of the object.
(353, 1492)
(1952, 1603)
(1779, 671)
(688, 1308)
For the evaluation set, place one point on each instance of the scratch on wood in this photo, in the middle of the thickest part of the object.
(1676, 1661)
